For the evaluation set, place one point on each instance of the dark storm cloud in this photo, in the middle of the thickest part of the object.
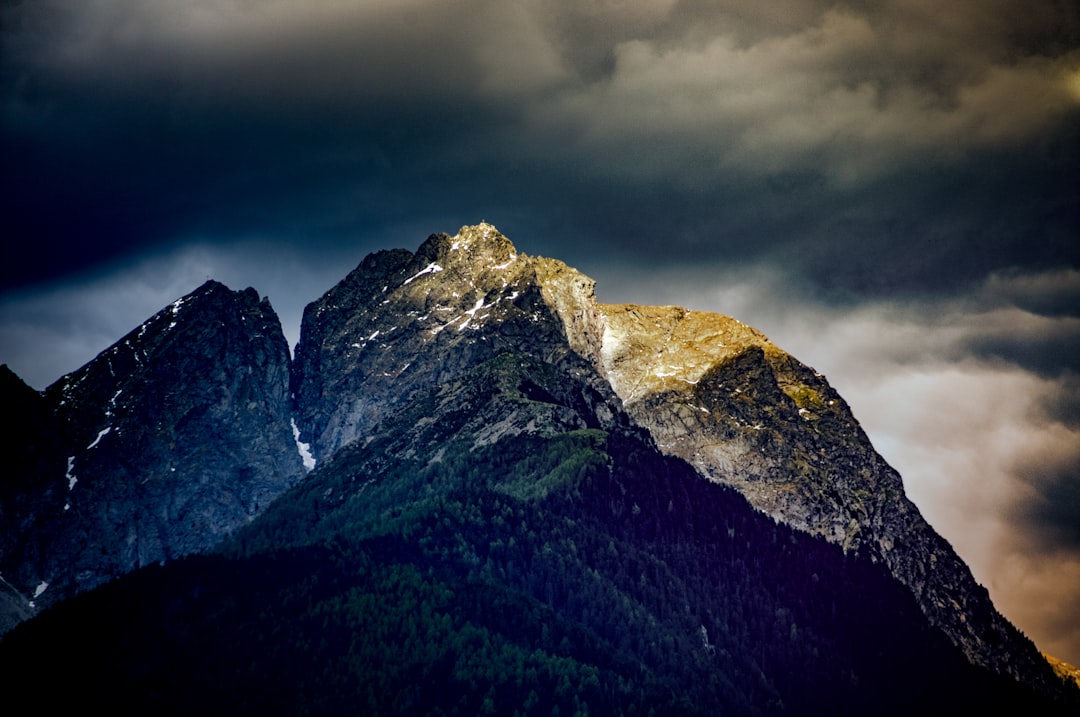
(1047, 350)
(802, 134)
(1054, 504)
(126, 125)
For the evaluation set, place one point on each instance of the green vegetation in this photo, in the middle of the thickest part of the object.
(564, 572)
(615, 583)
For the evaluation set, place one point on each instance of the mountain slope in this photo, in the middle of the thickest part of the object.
(159, 447)
(434, 571)
(746, 414)
(508, 514)
(707, 388)
(402, 322)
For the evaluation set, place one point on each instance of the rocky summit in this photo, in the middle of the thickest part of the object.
(522, 500)
(744, 413)
(402, 322)
(708, 389)
(157, 448)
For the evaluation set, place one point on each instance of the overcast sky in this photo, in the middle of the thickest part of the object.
(888, 189)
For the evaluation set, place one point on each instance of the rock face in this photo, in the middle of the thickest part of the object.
(402, 323)
(189, 426)
(159, 447)
(708, 389)
(721, 396)
(32, 452)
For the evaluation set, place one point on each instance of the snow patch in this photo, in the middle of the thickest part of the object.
(42, 587)
(101, 434)
(511, 260)
(112, 401)
(304, 449)
(175, 308)
(431, 268)
(71, 479)
(363, 343)
(471, 313)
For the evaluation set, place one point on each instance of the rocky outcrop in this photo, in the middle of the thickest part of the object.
(184, 429)
(707, 388)
(744, 413)
(404, 323)
(159, 447)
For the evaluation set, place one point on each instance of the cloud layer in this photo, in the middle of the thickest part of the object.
(901, 135)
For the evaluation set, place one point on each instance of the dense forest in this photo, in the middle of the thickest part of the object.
(574, 573)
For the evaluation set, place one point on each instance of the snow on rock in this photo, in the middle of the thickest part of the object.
(101, 434)
(471, 313)
(175, 308)
(511, 260)
(71, 479)
(304, 449)
(431, 268)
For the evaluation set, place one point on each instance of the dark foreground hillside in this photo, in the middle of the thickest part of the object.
(579, 573)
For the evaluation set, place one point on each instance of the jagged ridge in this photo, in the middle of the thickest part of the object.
(744, 413)
(709, 390)
(457, 302)
(400, 341)
(159, 447)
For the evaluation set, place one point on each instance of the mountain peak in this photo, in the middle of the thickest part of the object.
(159, 446)
(478, 254)
(464, 367)
(404, 321)
(707, 388)
(651, 349)
(479, 244)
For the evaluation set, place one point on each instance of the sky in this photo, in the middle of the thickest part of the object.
(887, 189)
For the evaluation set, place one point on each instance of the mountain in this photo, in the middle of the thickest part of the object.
(159, 447)
(744, 413)
(524, 501)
